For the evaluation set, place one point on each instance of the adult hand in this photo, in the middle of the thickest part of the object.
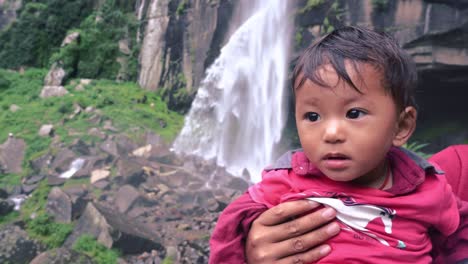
(288, 233)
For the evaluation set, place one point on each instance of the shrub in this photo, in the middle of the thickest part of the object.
(43, 228)
(88, 245)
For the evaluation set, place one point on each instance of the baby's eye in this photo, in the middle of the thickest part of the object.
(355, 113)
(312, 116)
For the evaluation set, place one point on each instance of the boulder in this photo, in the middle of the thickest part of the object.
(79, 199)
(54, 77)
(6, 206)
(130, 172)
(62, 256)
(55, 181)
(14, 108)
(12, 155)
(3, 194)
(63, 160)
(126, 197)
(46, 130)
(42, 163)
(53, 91)
(72, 37)
(59, 205)
(115, 230)
(16, 246)
(110, 146)
(97, 175)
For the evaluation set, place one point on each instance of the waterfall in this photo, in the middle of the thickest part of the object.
(238, 114)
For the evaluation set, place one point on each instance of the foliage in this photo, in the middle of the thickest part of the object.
(380, 5)
(168, 260)
(88, 245)
(95, 54)
(4, 83)
(298, 37)
(311, 4)
(126, 104)
(183, 5)
(6, 219)
(39, 31)
(417, 147)
(44, 229)
(9, 180)
(36, 203)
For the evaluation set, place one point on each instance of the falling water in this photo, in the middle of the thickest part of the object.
(239, 111)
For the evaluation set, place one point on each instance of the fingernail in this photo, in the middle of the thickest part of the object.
(313, 203)
(333, 229)
(325, 250)
(328, 213)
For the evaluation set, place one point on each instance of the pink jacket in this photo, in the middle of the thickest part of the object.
(228, 240)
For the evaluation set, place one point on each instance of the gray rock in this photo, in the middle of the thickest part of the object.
(130, 171)
(62, 256)
(63, 160)
(53, 91)
(110, 146)
(6, 206)
(34, 179)
(102, 184)
(126, 197)
(72, 37)
(59, 205)
(115, 230)
(79, 199)
(125, 145)
(16, 246)
(237, 183)
(54, 77)
(29, 188)
(79, 146)
(11, 155)
(14, 108)
(46, 130)
(55, 181)
(3, 194)
(42, 163)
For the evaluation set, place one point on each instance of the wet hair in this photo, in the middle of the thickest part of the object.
(360, 45)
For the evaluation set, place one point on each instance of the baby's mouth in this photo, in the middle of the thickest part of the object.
(335, 156)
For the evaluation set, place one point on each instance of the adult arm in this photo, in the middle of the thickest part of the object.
(227, 242)
(289, 233)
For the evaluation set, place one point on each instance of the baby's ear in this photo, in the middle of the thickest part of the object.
(406, 126)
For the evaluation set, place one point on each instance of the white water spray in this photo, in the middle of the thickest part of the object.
(238, 114)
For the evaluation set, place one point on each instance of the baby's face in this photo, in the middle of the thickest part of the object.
(347, 134)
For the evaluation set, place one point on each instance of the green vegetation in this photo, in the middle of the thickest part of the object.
(95, 54)
(380, 5)
(311, 4)
(182, 7)
(11, 217)
(50, 233)
(126, 104)
(132, 111)
(167, 260)
(39, 31)
(298, 37)
(417, 147)
(99, 253)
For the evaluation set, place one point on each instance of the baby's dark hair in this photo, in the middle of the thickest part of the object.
(360, 45)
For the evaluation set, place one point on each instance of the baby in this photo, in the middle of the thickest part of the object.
(354, 109)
